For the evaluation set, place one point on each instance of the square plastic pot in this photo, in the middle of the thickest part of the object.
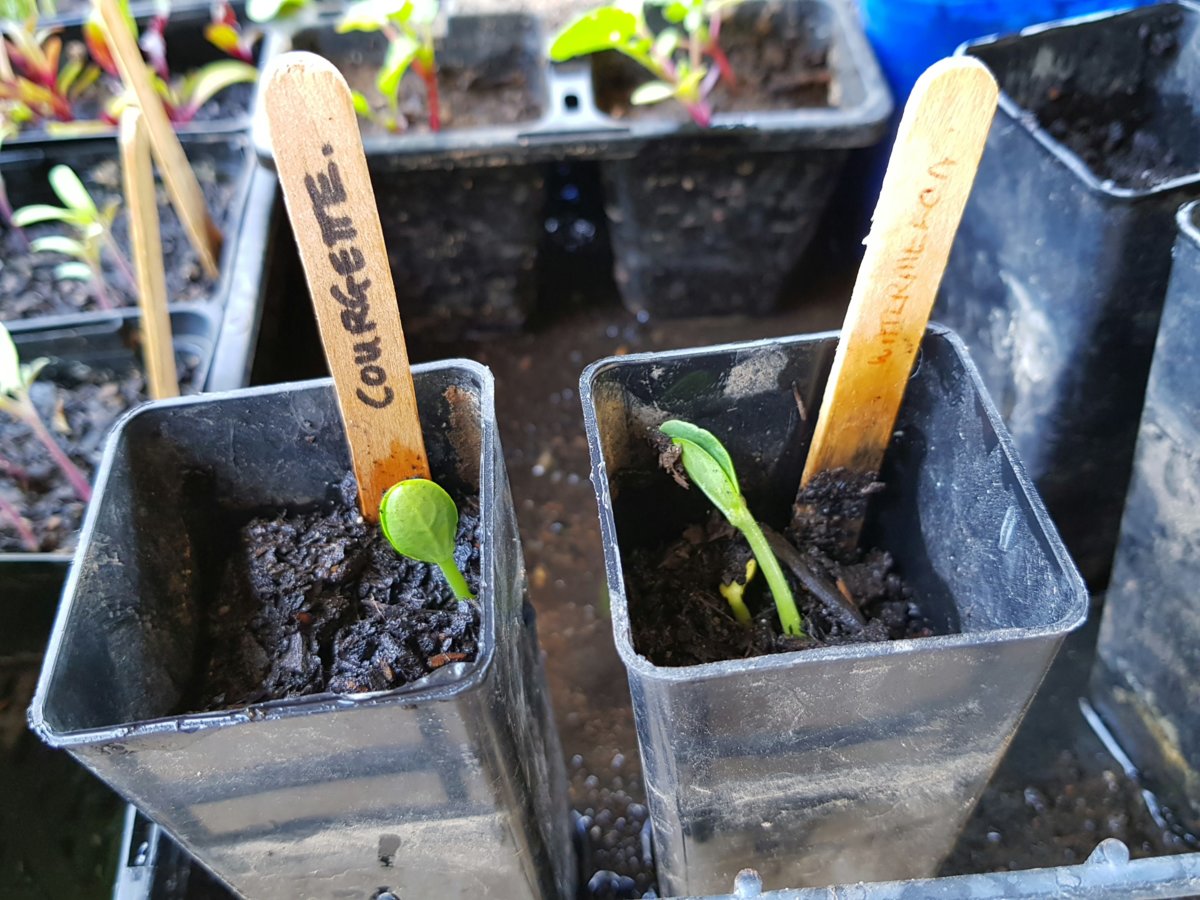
(1057, 277)
(713, 221)
(452, 786)
(1145, 680)
(462, 208)
(855, 762)
(26, 177)
(109, 341)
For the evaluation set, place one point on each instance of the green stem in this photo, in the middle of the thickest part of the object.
(458, 584)
(785, 603)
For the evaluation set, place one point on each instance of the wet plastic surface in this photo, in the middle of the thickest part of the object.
(1057, 277)
(314, 796)
(844, 763)
(1145, 683)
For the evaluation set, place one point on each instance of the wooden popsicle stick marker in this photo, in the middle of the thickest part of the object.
(177, 175)
(327, 190)
(146, 239)
(929, 177)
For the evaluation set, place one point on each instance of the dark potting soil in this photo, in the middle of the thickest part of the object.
(29, 287)
(471, 97)
(775, 63)
(318, 601)
(1123, 136)
(680, 618)
(79, 407)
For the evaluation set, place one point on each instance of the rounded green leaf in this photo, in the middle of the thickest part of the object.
(652, 92)
(208, 81)
(70, 190)
(607, 28)
(420, 520)
(267, 10)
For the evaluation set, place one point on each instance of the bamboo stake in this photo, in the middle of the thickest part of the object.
(327, 190)
(177, 174)
(929, 177)
(146, 240)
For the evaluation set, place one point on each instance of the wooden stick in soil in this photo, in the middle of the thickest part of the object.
(327, 190)
(177, 175)
(929, 177)
(146, 240)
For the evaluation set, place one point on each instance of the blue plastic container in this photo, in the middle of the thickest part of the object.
(910, 35)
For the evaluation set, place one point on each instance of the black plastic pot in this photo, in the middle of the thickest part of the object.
(457, 778)
(462, 217)
(109, 342)
(187, 49)
(26, 177)
(713, 222)
(1057, 278)
(1145, 680)
(854, 762)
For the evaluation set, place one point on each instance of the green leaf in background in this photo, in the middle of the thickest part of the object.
(372, 15)
(73, 271)
(208, 81)
(70, 190)
(41, 212)
(652, 92)
(57, 243)
(607, 28)
(401, 51)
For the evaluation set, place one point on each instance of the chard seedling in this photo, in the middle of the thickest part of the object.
(183, 97)
(685, 57)
(420, 521)
(16, 379)
(92, 234)
(408, 26)
(710, 468)
(40, 77)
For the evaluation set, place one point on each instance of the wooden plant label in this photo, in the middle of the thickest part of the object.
(146, 240)
(327, 190)
(929, 178)
(177, 174)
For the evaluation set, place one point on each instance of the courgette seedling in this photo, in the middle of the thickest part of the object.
(420, 521)
(685, 57)
(710, 468)
(92, 234)
(408, 26)
(16, 378)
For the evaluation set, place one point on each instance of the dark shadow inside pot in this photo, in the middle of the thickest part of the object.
(1118, 92)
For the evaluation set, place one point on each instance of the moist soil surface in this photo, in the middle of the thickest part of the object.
(1115, 137)
(774, 61)
(79, 405)
(1120, 135)
(318, 601)
(471, 97)
(680, 618)
(30, 288)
